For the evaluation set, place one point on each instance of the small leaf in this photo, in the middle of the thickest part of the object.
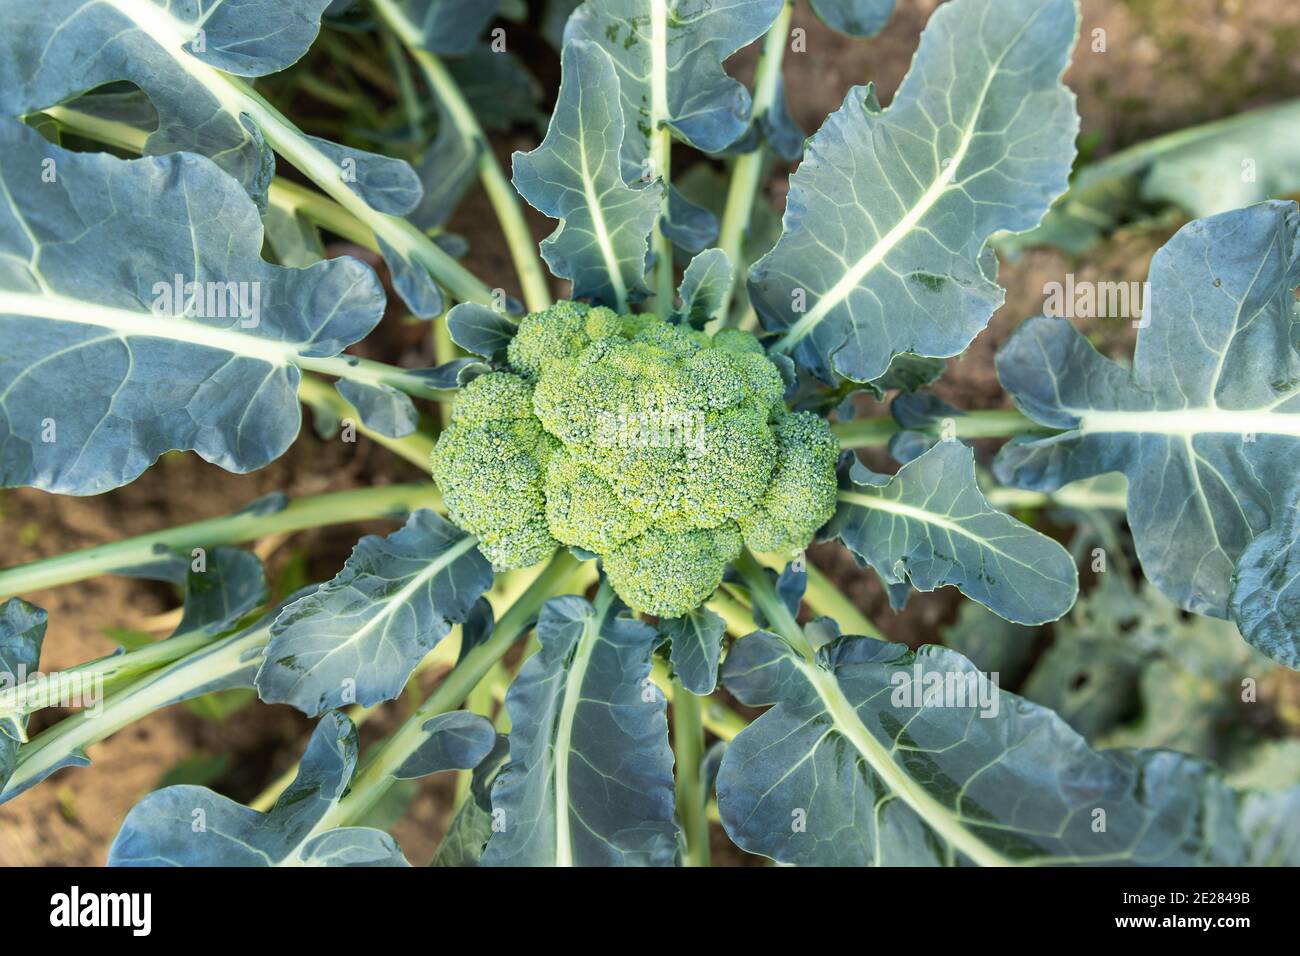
(889, 213)
(185, 825)
(930, 526)
(859, 18)
(590, 778)
(481, 330)
(603, 237)
(705, 284)
(357, 638)
(696, 648)
(455, 741)
(382, 408)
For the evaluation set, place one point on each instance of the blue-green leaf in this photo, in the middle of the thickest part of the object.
(231, 584)
(603, 238)
(669, 56)
(930, 526)
(1266, 589)
(889, 213)
(110, 360)
(448, 27)
(382, 408)
(472, 827)
(481, 330)
(22, 629)
(689, 226)
(179, 54)
(357, 638)
(875, 754)
(590, 778)
(706, 282)
(696, 648)
(457, 740)
(859, 18)
(1205, 425)
(187, 825)
(448, 169)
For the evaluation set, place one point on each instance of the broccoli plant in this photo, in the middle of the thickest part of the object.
(631, 474)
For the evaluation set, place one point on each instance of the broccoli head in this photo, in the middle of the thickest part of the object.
(660, 448)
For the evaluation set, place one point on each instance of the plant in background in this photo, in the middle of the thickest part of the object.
(633, 473)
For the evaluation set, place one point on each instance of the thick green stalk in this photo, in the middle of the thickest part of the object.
(359, 504)
(374, 779)
(688, 748)
(747, 169)
(987, 423)
(182, 679)
(661, 156)
(769, 602)
(824, 598)
(33, 695)
(502, 196)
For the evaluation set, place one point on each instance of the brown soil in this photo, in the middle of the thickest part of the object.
(1168, 64)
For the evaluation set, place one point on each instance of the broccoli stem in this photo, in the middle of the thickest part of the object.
(340, 507)
(661, 156)
(688, 747)
(187, 677)
(500, 193)
(984, 423)
(766, 600)
(747, 170)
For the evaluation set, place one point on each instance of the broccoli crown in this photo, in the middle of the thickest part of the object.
(658, 447)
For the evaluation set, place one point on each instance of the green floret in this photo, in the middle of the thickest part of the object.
(558, 332)
(582, 509)
(672, 573)
(648, 443)
(491, 476)
(497, 396)
(801, 497)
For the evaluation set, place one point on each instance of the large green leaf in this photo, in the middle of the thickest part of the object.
(875, 754)
(1206, 425)
(357, 638)
(590, 778)
(179, 54)
(930, 526)
(186, 825)
(668, 54)
(889, 213)
(107, 363)
(187, 59)
(603, 238)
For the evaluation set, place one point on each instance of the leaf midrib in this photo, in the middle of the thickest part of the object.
(128, 323)
(938, 817)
